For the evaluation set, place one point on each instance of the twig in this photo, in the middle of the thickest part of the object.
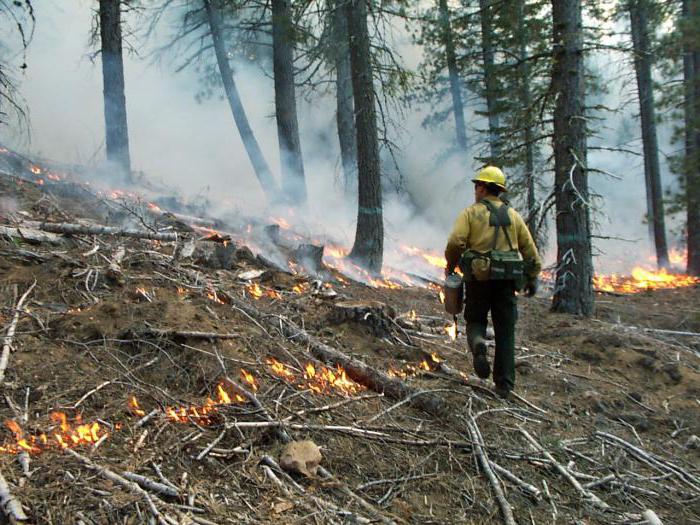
(210, 446)
(149, 484)
(7, 341)
(120, 480)
(526, 487)
(587, 494)
(479, 450)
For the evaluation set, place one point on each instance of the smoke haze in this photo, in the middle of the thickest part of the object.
(194, 146)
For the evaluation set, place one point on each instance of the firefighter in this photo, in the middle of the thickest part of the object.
(494, 249)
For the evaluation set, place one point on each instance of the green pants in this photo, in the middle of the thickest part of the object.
(499, 298)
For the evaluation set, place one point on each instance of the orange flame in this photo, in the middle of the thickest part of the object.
(36, 170)
(255, 291)
(321, 381)
(67, 435)
(642, 280)
(135, 408)
(250, 379)
(205, 414)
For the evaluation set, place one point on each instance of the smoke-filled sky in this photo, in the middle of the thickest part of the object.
(194, 146)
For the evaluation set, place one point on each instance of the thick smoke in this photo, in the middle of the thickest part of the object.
(195, 147)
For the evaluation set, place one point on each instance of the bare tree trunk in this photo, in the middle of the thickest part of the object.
(574, 288)
(490, 80)
(525, 97)
(116, 129)
(691, 71)
(639, 23)
(262, 171)
(453, 72)
(345, 109)
(292, 165)
(368, 249)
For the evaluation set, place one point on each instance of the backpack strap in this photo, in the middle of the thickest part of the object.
(499, 218)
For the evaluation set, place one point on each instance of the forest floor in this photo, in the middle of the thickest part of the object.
(612, 402)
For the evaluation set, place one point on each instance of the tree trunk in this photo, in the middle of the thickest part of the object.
(639, 23)
(490, 80)
(292, 165)
(345, 110)
(574, 288)
(525, 97)
(116, 130)
(368, 249)
(262, 171)
(451, 59)
(691, 70)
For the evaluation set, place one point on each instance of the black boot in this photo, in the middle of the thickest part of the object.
(481, 362)
(502, 391)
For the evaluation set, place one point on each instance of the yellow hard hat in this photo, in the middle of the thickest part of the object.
(491, 175)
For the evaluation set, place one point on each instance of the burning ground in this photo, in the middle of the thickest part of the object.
(147, 384)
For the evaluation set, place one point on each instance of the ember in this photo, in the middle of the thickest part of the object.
(67, 435)
(452, 331)
(410, 370)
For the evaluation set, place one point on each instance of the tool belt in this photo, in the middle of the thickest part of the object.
(495, 265)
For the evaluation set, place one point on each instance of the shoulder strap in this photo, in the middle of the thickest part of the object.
(499, 218)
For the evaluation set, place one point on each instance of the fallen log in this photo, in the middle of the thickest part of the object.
(30, 235)
(356, 370)
(82, 229)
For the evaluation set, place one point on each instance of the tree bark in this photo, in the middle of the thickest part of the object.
(639, 23)
(345, 109)
(691, 73)
(453, 72)
(292, 164)
(116, 129)
(262, 170)
(368, 249)
(573, 288)
(525, 97)
(490, 80)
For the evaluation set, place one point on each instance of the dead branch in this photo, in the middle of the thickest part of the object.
(131, 486)
(10, 505)
(188, 334)
(149, 484)
(81, 229)
(480, 451)
(652, 460)
(7, 341)
(651, 518)
(526, 487)
(586, 494)
(30, 235)
(272, 469)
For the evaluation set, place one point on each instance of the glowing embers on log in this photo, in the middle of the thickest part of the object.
(65, 434)
(643, 280)
(409, 370)
(452, 331)
(322, 380)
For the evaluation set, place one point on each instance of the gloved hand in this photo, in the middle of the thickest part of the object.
(530, 288)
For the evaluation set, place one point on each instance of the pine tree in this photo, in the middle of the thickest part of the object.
(573, 288)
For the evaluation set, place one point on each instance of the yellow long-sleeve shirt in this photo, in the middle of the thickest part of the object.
(471, 231)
